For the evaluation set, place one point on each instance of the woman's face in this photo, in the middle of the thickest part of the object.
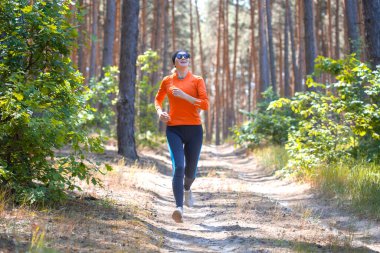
(182, 59)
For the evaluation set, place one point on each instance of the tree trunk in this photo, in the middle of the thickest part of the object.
(109, 34)
(173, 26)
(143, 26)
(81, 42)
(271, 48)
(165, 24)
(301, 44)
(254, 59)
(94, 38)
(217, 93)
(310, 51)
(297, 84)
(233, 83)
(192, 37)
(264, 71)
(330, 33)
(208, 113)
(371, 13)
(227, 72)
(286, 52)
(281, 65)
(337, 39)
(351, 9)
(126, 100)
(116, 53)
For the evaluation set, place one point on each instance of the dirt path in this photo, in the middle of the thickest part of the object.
(240, 208)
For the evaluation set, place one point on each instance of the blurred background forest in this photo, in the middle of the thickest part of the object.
(240, 47)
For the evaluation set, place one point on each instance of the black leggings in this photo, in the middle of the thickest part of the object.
(185, 143)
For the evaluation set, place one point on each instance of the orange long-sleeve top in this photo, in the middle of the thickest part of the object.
(181, 111)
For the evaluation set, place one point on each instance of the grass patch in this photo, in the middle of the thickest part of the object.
(272, 157)
(356, 182)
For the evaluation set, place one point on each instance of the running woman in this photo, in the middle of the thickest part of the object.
(187, 96)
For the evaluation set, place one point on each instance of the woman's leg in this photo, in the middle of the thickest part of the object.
(177, 155)
(192, 151)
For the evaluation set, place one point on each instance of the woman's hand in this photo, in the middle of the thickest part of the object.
(179, 93)
(163, 116)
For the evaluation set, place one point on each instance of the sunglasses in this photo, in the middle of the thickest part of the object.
(183, 56)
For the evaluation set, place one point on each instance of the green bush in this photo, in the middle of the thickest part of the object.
(41, 97)
(146, 120)
(100, 115)
(342, 123)
(265, 125)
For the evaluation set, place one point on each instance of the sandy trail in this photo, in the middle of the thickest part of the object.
(241, 208)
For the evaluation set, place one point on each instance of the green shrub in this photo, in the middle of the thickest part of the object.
(265, 125)
(41, 97)
(146, 116)
(100, 115)
(342, 123)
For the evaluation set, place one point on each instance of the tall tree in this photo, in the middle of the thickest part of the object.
(310, 50)
(352, 19)
(165, 24)
(301, 48)
(94, 37)
(286, 51)
(337, 38)
(126, 100)
(226, 104)
(271, 47)
(173, 26)
(371, 15)
(297, 84)
(330, 33)
(109, 34)
(191, 36)
(233, 83)
(264, 70)
(203, 73)
(143, 26)
(81, 41)
(253, 58)
(217, 90)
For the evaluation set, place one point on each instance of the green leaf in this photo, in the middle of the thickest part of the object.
(27, 9)
(18, 96)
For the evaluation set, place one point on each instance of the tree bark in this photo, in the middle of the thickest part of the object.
(301, 44)
(143, 26)
(310, 51)
(371, 15)
(128, 57)
(208, 113)
(109, 34)
(271, 48)
(217, 93)
(173, 26)
(233, 83)
(81, 42)
(286, 52)
(337, 39)
(192, 37)
(165, 24)
(297, 84)
(264, 71)
(94, 38)
(330, 33)
(351, 9)
(254, 59)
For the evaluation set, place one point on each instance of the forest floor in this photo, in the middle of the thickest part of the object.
(240, 207)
